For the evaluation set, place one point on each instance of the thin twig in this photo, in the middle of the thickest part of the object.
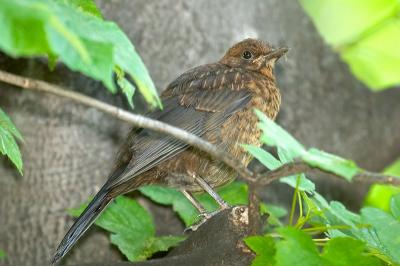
(370, 177)
(299, 167)
(288, 169)
(263, 179)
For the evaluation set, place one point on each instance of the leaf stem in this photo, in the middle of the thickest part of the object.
(294, 200)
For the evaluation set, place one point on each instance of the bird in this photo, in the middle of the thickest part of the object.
(213, 101)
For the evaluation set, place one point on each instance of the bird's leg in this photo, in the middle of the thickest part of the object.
(194, 201)
(223, 205)
(203, 212)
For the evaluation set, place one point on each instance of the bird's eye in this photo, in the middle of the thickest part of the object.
(247, 55)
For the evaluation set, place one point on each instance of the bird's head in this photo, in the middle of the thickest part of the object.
(253, 55)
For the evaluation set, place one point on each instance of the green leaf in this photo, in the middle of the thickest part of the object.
(135, 251)
(332, 163)
(126, 216)
(7, 124)
(169, 196)
(346, 251)
(379, 196)
(393, 169)
(16, 39)
(127, 88)
(375, 59)
(305, 184)
(161, 195)
(264, 247)
(87, 6)
(335, 214)
(164, 243)
(74, 32)
(8, 144)
(97, 65)
(125, 57)
(274, 135)
(302, 184)
(264, 157)
(366, 33)
(395, 206)
(383, 232)
(342, 21)
(2, 254)
(296, 247)
(276, 210)
(132, 229)
(269, 161)
(289, 149)
(235, 193)
(274, 213)
(374, 226)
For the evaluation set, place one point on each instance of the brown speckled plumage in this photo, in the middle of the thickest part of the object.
(214, 101)
(238, 129)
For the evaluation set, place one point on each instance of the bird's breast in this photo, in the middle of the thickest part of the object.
(241, 128)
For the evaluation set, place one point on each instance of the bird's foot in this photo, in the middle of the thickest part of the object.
(204, 217)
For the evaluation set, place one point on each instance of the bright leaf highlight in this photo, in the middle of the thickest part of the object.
(75, 33)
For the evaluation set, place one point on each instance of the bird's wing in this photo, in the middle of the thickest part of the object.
(195, 108)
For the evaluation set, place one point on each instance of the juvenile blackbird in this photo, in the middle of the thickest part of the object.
(213, 101)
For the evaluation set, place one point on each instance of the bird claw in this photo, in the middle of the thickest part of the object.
(204, 217)
(196, 225)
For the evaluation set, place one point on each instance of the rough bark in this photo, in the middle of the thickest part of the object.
(68, 149)
(217, 242)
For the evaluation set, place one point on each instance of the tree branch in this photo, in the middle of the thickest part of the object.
(299, 167)
(263, 179)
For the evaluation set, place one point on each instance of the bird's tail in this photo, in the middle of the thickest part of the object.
(88, 216)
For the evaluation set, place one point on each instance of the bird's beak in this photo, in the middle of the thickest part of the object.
(276, 54)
